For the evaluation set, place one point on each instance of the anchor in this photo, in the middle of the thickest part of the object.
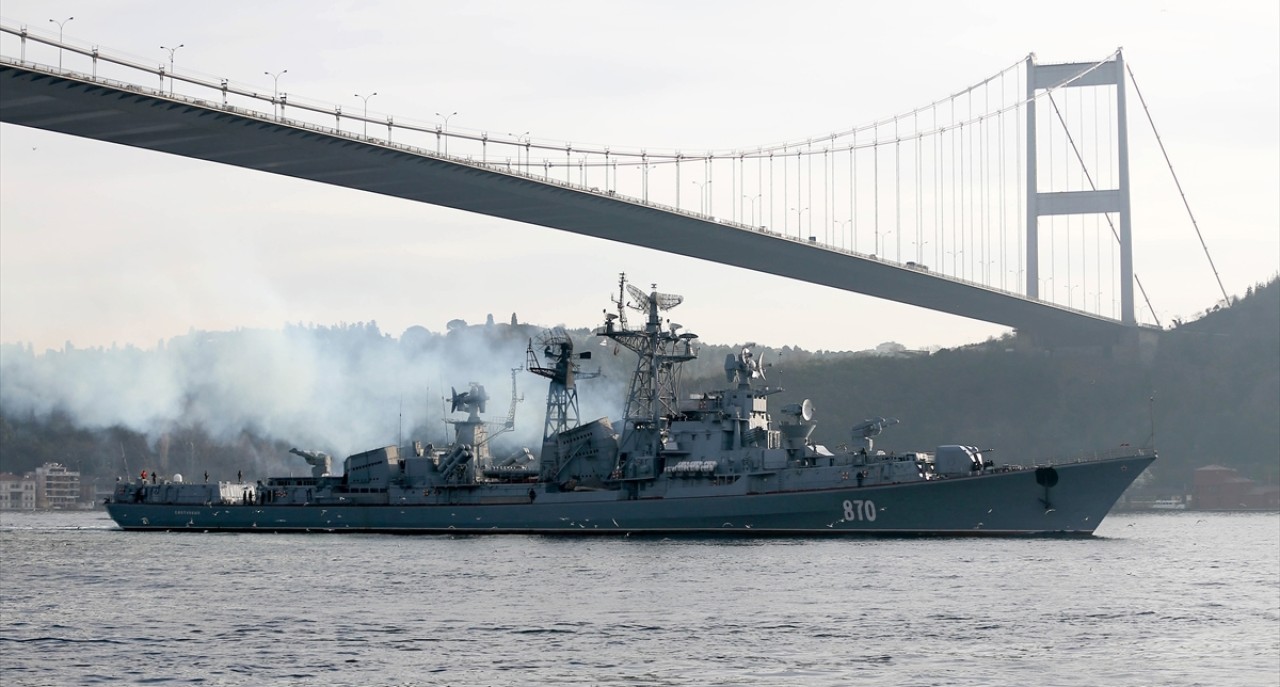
(1047, 478)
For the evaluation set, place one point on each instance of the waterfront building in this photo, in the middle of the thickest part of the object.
(17, 493)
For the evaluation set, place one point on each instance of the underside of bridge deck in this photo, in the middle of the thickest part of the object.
(206, 131)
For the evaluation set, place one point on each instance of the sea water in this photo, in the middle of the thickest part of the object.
(1162, 599)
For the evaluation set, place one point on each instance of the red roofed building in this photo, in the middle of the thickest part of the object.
(1220, 488)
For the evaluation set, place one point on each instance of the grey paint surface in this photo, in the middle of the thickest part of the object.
(1010, 503)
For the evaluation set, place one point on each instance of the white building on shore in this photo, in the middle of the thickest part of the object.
(17, 493)
(51, 485)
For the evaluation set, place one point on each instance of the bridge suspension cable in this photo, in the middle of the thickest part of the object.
(1178, 183)
(945, 158)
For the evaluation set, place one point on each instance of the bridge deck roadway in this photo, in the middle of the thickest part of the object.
(198, 129)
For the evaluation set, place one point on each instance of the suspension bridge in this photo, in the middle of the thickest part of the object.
(1006, 201)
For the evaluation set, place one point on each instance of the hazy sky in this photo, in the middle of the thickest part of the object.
(103, 244)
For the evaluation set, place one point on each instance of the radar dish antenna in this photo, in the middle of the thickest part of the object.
(800, 413)
(667, 301)
(471, 401)
(641, 300)
(743, 366)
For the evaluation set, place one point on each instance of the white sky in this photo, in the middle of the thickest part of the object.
(103, 244)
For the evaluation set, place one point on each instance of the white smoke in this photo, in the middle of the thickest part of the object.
(337, 389)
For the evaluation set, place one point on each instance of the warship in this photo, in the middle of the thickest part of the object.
(714, 461)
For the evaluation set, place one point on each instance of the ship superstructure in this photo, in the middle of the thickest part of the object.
(708, 461)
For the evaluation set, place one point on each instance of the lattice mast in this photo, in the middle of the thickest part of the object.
(562, 370)
(651, 398)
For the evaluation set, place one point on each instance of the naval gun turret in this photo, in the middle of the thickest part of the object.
(321, 463)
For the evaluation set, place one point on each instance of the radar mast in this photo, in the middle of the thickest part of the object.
(651, 398)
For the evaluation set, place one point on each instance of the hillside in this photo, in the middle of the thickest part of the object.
(225, 401)
(1211, 390)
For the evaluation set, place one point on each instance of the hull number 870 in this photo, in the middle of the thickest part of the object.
(859, 511)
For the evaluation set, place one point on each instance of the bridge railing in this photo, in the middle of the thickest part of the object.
(224, 89)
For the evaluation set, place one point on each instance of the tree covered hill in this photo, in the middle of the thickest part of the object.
(226, 401)
(1210, 389)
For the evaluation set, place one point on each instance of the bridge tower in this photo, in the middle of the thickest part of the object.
(1095, 201)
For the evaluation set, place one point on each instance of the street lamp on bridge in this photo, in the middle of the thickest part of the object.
(918, 249)
(445, 129)
(753, 200)
(897, 257)
(1046, 285)
(275, 87)
(955, 260)
(365, 98)
(60, 25)
(1071, 289)
(521, 140)
(799, 226)
(171, 52)
(702, 195)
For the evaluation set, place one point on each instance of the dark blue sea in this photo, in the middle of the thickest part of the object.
(1160, 599)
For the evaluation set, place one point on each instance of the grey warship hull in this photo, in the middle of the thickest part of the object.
(714, 461)
(1008, 503)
